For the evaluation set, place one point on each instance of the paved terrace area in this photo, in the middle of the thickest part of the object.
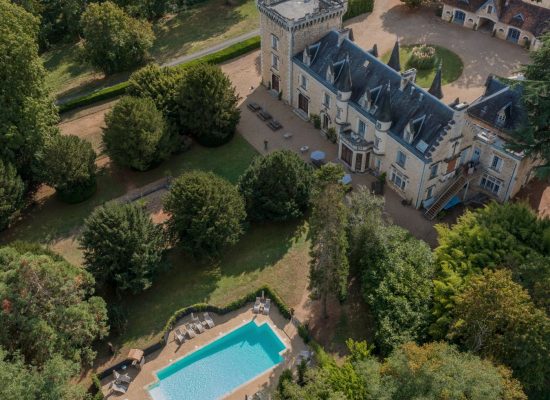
(224, 323)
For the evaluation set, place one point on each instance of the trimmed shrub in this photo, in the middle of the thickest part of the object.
(358, 7)
(422, 57)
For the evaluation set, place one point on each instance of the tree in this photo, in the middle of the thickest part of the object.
(148, 9)
(22, 382)
(508, 235)
(533, 138)
(329, 173)
(135, 135)
(11, 193)
(68, 165)
(207, 213)
(496, 318)
(329, 268)
(114, 41)
(276, 186)
(122, 246)
(206, 88)
(28, 118)
(48, 308)
(413, 3)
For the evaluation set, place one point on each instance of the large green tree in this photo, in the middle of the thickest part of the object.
(533, 138)
(329, 267)
(496, 319)
(11, 193)
(135, 135)
(207, 105)
(206, 213)
(122, 246)
(277, 186)
(51, 382)
(28, 117)
(114, 41)
(48, 308)
(508, 235)
(68, 164)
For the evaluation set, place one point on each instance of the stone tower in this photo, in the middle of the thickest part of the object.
(286, 28)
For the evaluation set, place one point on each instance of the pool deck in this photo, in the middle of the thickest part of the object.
(285, 329)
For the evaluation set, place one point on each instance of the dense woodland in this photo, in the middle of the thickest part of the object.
(469, 319)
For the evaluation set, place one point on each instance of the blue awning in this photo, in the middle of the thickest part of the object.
(346, 179)
(453, 202)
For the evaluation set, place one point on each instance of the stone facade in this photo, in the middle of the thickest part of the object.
(385, 123)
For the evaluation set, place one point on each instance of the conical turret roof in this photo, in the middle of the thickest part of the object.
(435, 88)
(394, 58)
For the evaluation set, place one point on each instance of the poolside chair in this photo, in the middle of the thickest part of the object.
(189, 331)
(179, 336)
(257, 305)
(197, 326)
(266, 306)
(119, 378)
(208, 320)
(119, 388)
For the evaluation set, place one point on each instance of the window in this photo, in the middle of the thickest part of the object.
(489, 9)
(376, 143)
(401, 159)
(490, 183)
(303, 81)
(274, 61)
(398, 179)
(274, 42)
(430, 192)
(433, 171)
(361, 128)
(326, 100)
(338, 112)
(496, 163)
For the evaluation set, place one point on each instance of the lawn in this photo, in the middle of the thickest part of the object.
(452, 65)
(201, 26)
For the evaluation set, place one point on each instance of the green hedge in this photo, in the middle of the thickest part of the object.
(358, 7)
(218, 57)
(235, 305)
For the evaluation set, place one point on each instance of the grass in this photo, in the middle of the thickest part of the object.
(451, 62)
(51, 220)
(199, 27)
(274, 254)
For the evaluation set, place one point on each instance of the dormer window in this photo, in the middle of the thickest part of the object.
(307, 58)
(519, 17)
(489, 9)
(502, 115)
(330, 75)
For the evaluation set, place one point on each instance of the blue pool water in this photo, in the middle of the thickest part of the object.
(221, 366)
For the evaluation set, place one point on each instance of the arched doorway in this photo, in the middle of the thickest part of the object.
(459, 17)
(485, 25)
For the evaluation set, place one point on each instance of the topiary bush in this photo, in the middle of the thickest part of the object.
(422, 57)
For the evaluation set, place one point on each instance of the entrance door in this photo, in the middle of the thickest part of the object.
(513, 35)
(359, 162)
(347, 155)
(275, 82)
(476, 155)
(326, 122)
(459, 17)
(303, 103)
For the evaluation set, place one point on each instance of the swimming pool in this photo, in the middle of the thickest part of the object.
(221, 366)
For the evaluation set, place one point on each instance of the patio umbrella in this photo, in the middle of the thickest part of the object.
(317, 155)
(346, 179)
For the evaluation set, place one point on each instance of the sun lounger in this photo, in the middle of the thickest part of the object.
(274, 125)
(198, 327)
(267, 305)
(208, 320)
(179, 336)
(257, 305)
(254, 107)
(119, 388)
(189, 331)
(264, 115)
(119, 378)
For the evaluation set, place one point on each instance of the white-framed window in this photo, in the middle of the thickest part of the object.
(496, 163)
(274, 42)
(274, 61)
(398, 179)
(361, 128)
(433, 171)
(490, 183)
(489, 9)
(338, 112)
(430, 192)
(376, 143)
(401, 159)
(326, 100)
(303, 82)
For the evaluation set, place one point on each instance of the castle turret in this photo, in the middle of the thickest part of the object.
(435, 88)
(344, 85)
(286, 28)
(383, 122)
(394, 61)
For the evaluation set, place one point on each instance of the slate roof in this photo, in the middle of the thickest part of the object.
(499, 98)
(536, 19)
(369, 74)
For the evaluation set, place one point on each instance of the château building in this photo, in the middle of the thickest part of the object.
(432, 153)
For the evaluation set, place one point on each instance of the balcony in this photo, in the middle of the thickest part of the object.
(354, 141)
